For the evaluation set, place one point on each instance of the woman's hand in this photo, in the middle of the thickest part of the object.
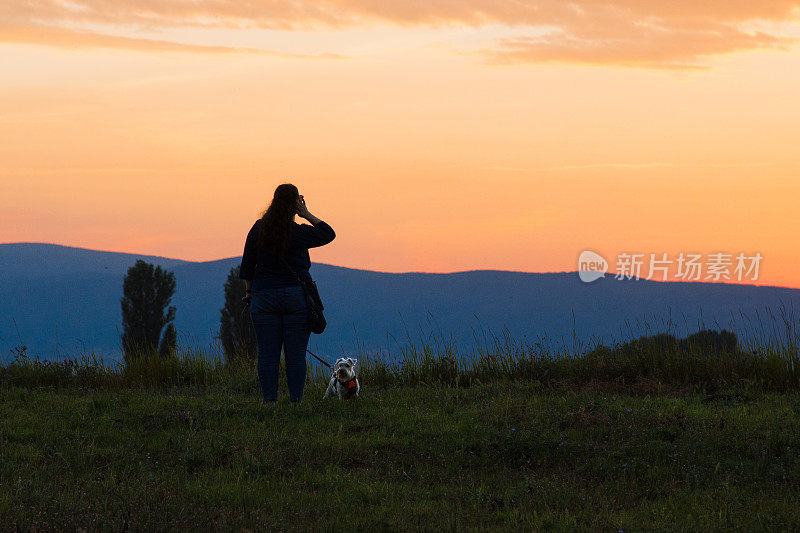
(302, 211)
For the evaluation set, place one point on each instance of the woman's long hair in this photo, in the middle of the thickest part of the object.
(275, 231)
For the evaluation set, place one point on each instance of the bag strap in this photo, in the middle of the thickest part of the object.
(309, 292)
(296, 275)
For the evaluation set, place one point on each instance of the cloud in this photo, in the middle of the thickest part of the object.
(628, 166)
(640, 33)
(664, 48)
(69, 38)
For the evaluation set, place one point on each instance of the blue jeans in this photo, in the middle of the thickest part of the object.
(279, 319)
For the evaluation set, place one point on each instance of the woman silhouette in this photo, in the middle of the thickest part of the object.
(274, 247)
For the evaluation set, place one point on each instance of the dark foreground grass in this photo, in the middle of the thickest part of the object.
(500, 455)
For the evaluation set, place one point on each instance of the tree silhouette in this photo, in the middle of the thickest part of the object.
(236, 330)
(147, 291)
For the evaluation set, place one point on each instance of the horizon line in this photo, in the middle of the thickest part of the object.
(409, 271)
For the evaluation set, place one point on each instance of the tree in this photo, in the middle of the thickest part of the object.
(147, 292)
(236, 330)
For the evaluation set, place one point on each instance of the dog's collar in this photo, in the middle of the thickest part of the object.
(351, 384)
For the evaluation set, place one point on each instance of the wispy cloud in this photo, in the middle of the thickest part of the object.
(640, 33)
(635, 45)
(632, 166)
(70, 38)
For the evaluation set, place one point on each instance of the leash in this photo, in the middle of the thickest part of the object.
(318, 359)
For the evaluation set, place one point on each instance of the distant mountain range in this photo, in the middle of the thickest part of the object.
(63, 301)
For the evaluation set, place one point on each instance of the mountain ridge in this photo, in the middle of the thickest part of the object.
(227, 259)
(75, 307)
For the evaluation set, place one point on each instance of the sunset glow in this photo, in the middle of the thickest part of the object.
(432, 136)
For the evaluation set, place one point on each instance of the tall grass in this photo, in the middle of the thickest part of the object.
(187, 367)
(767, 359)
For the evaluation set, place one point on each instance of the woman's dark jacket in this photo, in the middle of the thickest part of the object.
(268, 270)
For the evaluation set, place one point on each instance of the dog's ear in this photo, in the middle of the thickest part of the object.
(353, 362)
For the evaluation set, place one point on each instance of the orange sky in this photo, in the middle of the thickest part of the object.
(433, 136)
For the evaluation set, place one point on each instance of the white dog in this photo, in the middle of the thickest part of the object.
(344, 381)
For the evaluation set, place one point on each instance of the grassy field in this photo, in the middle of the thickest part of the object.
(658, 433)
(506, 454)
